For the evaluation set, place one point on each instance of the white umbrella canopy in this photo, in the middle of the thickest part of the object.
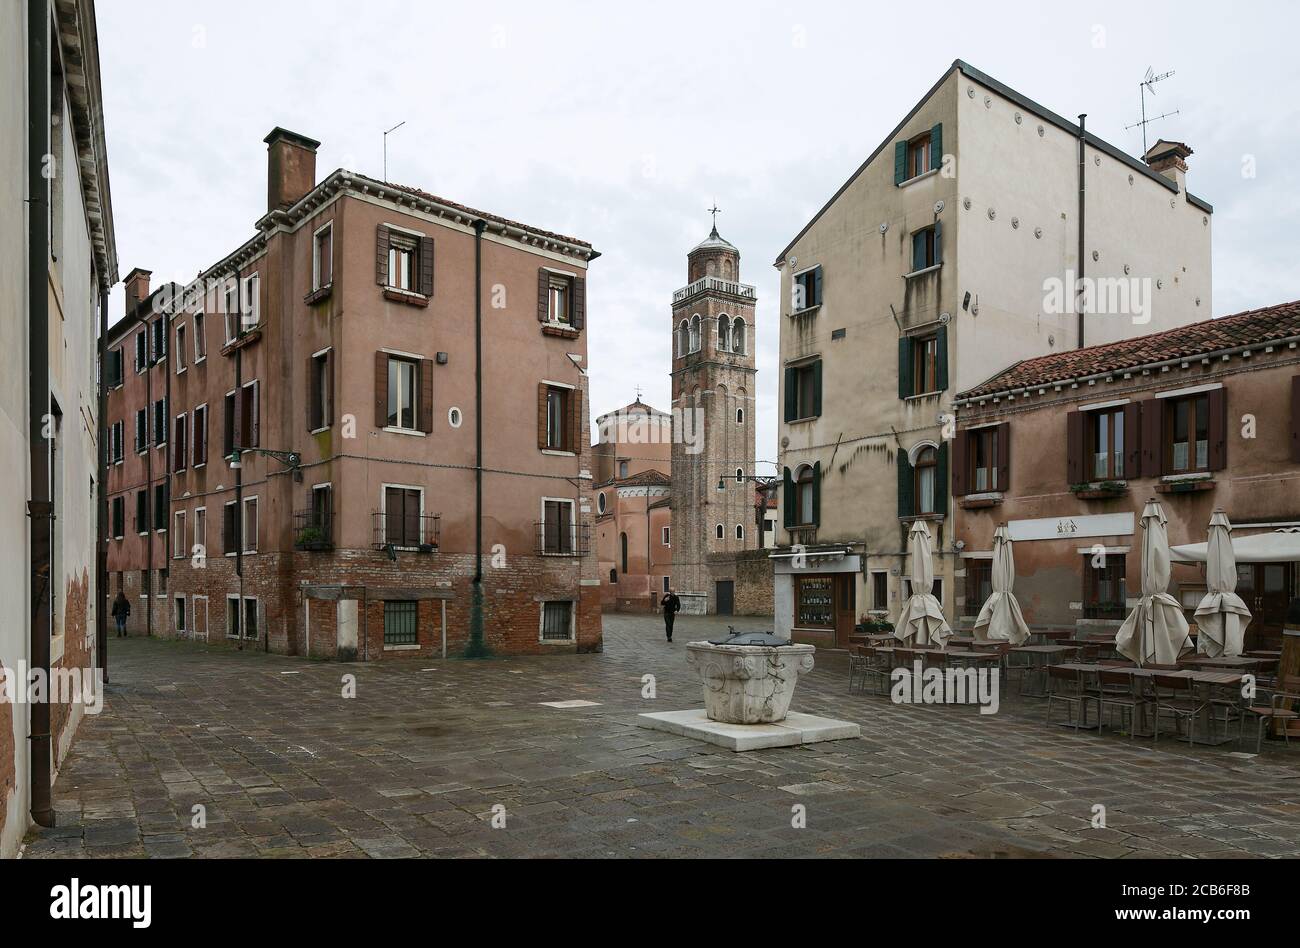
(1155, 633)
(921, 623)
(1222, 617)
(1000, 619)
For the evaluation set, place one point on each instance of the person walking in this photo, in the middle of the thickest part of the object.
(671, 606)
(120, 612)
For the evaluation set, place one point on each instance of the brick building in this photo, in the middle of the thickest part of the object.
(308, 472)
(1066, 449)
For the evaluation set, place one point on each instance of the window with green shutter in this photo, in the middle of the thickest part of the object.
(906, 486)
(803, 391)
(917, 156)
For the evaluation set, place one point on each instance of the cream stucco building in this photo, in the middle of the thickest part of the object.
(953, 252)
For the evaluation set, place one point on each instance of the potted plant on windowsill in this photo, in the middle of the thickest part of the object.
(1099, 490)
(311, 538)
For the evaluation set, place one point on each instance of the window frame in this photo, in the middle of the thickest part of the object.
(1115, 442)
(178, 535)
(927, 459)
(568, 548)
(805, 487)
(1198, 401)
(244, 532)
(982, 441)
(200, 337)
(413, 364)
(326, 230)
(919, 155)
(542, 624)
(383, 510)
(414, 616)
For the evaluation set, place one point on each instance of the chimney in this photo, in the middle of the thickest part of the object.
(1169, 159)
(290, 167)
(137, 288)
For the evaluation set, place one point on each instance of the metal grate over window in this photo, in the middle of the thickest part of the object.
(400, 623)
(556, 621)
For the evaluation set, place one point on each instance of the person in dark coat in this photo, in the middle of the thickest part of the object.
(671, 606)
(120, 612)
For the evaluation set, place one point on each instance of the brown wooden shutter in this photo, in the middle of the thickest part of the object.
(426, 266)
(381, 389)
(313, 395)
(329, 389)
(255, 416)
(960, 448)
(543, 294)
(237, 423)
(1295, 418)
(542, 390)
(425, 421)
(1004, 456)
(579, 311)
(575, 422)
(1074, 448)
(393, 498)
(1153, 447)
(1132, 439)
(381, 255)
(1218, 420)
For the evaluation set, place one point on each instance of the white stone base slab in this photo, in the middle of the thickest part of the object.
(795, 729)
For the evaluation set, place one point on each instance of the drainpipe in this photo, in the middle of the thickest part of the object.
(239, 471)
(149, 592)
(1083, 135)
(476, 647)
(101, 501)
(39, 506)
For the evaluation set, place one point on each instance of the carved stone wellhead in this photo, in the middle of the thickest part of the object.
(748, 684)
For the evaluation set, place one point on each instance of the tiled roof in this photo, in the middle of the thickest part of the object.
(651, 478)
(1256, 326)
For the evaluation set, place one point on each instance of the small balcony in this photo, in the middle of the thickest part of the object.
(418, 532)
(1105, 610)
(707, 284)
(562, 539)
(803, 536)
(313, 530)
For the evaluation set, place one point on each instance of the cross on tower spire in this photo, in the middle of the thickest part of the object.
(715, 211)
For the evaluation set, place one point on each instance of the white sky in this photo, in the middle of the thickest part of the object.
(620, 123)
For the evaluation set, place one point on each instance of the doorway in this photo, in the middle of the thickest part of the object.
(1267, 590)
(846, 607)
(725, 596)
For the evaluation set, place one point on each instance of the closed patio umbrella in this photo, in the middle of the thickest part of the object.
(1155, 633)
(1222, 616)
(1000, 619)
(921, 623)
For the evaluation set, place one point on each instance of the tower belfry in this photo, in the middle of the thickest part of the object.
(713, 333)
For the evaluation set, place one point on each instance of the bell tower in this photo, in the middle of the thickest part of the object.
(713, 418)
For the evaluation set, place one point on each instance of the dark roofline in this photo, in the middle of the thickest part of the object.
(1025, 103)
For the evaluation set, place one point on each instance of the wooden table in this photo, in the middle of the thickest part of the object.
(1223, 662)
(1208, 679)
(1047, 652)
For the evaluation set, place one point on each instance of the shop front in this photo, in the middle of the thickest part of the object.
(816, 596)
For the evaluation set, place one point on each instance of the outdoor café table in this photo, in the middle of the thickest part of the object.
(1039, 657)
(1206, 680)
(962, 640)
(1224, 662)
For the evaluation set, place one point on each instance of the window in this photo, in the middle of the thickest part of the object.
(232, 617)
(249, 415)
(232, 413)
(231, 311)
(622, 469)
(160, 507)
(158, 341)
(141, 351)
(695, 333)
(724, 333)
(805, 485)
(178, 615)
(160, 422)
(613, 576)
(401, 394)
(200, 339)
(807, 290)
(558, 300)
(119, 517)
(115, 438)
(1105, 444)
(322, 257)
(199, 438)
(880, 591)
(600, 502)
(622, 550)
(180, 450)
(401, 261)
(923, 364)
(162, 583)
(144, 583)
(179, 549)
(229, 529)
(181, 351)
(557, 621)
(803, 391)
(251, 303)
(665, 536)
(142, 512)
(666, 584)
(1105, 592)
(403, 507)
(983, 447)
(1187, 444)
(926, 250)
(241, 621)
(141, 430)
(740, 531)
(719, 531)
(918, 155)
(557, 527)
(683, 338)
(558, 423)
(925, 358)
(200, 546)
(979, 584)
(740, 475)
(740, 416)
(738, 336)
(322, 509)
(401, 625)
(925, 471)
(321, 392)
(249, 527)
(113, 372)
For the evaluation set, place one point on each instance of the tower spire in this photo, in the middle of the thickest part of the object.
(715, 211)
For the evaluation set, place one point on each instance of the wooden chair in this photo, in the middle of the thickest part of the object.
(1273, 711)
(1117, 689)
(1067, 685)
(1177, 695)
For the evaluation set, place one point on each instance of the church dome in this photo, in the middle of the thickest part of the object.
(715, 242)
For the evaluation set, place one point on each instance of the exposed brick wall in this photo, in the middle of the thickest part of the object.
(76, 651)
(752, 573)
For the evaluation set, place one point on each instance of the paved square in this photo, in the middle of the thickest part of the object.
(424, 763)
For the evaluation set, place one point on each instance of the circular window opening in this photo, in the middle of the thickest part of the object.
(600, 503)
(453, 417)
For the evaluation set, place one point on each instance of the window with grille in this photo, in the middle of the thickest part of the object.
(557, 621)
(402, 516)
(400, 623)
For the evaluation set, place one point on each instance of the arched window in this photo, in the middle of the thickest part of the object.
(724, 333)
(613, 576)
(740, 475)
(600, 502)
(924, 468)
(719, 531)
(740, 531)
(803, 488)
(695, 334)
(738, 335)
(622, 542)
(683, 338)
(740, 416)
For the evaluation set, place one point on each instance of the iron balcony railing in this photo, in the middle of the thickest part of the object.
(563, 539)
(743, 290)
(313, 529)
(405, 531)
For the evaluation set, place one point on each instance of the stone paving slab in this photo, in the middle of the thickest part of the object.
(211, 753)
(795, 729)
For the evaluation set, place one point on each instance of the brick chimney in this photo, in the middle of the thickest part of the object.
(137, 288)
(1170, 160)
(290, 167)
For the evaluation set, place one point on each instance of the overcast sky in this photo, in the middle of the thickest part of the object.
(620, 123)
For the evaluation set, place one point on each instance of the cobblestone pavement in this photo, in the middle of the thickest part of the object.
(416, 763)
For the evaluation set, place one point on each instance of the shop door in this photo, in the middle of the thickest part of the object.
(1266, 588)
(845, 609)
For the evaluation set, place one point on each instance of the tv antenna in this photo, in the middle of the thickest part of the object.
(386, 134)
(1148, 85)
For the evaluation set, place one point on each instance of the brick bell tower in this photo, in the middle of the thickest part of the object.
(713, 415)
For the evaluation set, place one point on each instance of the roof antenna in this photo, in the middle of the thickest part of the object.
(386, 134)
(1148, 85)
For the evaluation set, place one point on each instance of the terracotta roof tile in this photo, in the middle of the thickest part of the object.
(1253, 327)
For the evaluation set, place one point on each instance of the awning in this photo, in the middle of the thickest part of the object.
(1281, 546)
